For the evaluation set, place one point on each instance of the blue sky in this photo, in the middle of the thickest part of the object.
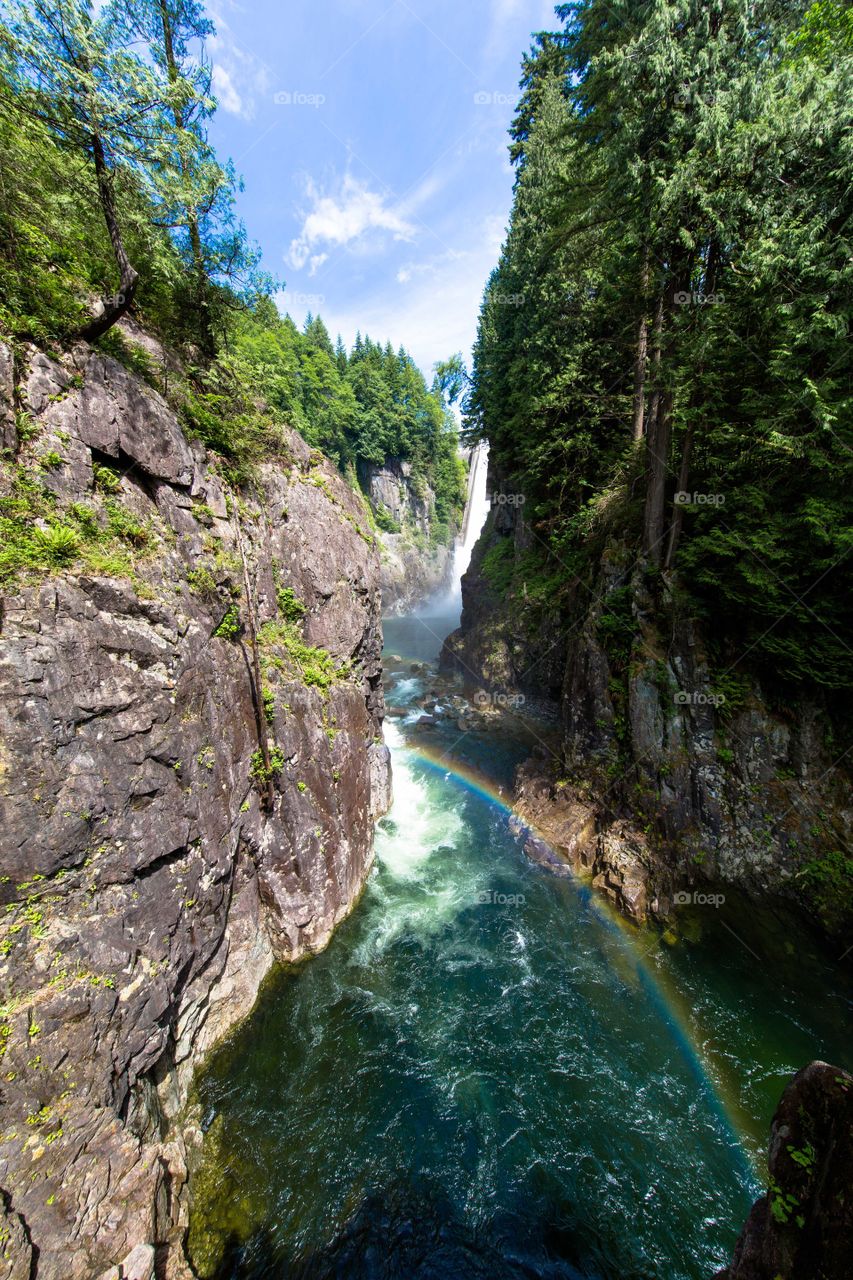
(371, 135)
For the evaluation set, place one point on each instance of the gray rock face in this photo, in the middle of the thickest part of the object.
(411, 571)
(496, 647)
(410, 575)
(665, 783)
(148, 887)
(8, 430)
(390, 486)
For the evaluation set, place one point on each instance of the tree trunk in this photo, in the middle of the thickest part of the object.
(642, 346)
(683, 478)
(114, 308)
(657, 447)
(196, 249)
(709, 285)
(257, 695)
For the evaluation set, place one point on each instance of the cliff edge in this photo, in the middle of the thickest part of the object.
(176, 816)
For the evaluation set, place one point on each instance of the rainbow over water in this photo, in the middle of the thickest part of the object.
(633, 955)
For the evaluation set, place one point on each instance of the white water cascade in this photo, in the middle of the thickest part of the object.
(476, 510)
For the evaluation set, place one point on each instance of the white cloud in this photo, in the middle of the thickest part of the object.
(430, 267)
(239, 77)
(436, 312)
(225, 91)
(352, 217)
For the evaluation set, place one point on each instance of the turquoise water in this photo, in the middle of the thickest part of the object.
(486, 1074)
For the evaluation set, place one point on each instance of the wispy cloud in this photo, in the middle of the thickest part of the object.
(431, 305)
(239, 77)
(352, 216)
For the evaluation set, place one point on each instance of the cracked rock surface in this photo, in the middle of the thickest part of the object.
(662, 784)
(148, 883)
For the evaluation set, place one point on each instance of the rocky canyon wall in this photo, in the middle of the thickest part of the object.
(154, 865)
(413, 565)
(672, 775)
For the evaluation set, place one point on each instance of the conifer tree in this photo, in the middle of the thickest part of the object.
(68, 71)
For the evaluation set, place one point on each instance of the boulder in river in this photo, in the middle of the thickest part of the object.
(802, 1228)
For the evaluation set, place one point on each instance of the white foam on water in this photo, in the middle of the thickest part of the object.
(412, 892)
(419, 824)
(402, 690)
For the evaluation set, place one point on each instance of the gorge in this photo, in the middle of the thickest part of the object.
(425, 780)
(452, 1151)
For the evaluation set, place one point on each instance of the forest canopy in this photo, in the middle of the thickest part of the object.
(663, 357)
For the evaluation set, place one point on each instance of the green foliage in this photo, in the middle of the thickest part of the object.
(290, 606)
(225, 409)
(828, 883)
(688, 162)
(617, 626)
(202, 583)
(498, 564)
(361, 408)
(259, 772)
(385, 521)
(58, 543)
(782, 1203)
(231, 625)
(124, 524)
(733, 688)
(315, 667)
(107, 480)
(117, 100)
(122, 99)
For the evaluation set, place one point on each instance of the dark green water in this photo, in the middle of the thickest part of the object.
(486, 1075)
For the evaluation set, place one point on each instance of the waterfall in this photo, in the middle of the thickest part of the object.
(476, 510)
(440, 614)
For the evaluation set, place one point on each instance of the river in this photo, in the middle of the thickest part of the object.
(487, 1074)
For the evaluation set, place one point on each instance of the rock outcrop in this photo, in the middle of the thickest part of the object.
(504, 648)
(802, 1229)
(153, 867)
(672, 775)
(414, 565)
(617, 857)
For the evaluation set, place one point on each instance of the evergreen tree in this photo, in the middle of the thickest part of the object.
(67, 71)
(190, 183)
(671, 309)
